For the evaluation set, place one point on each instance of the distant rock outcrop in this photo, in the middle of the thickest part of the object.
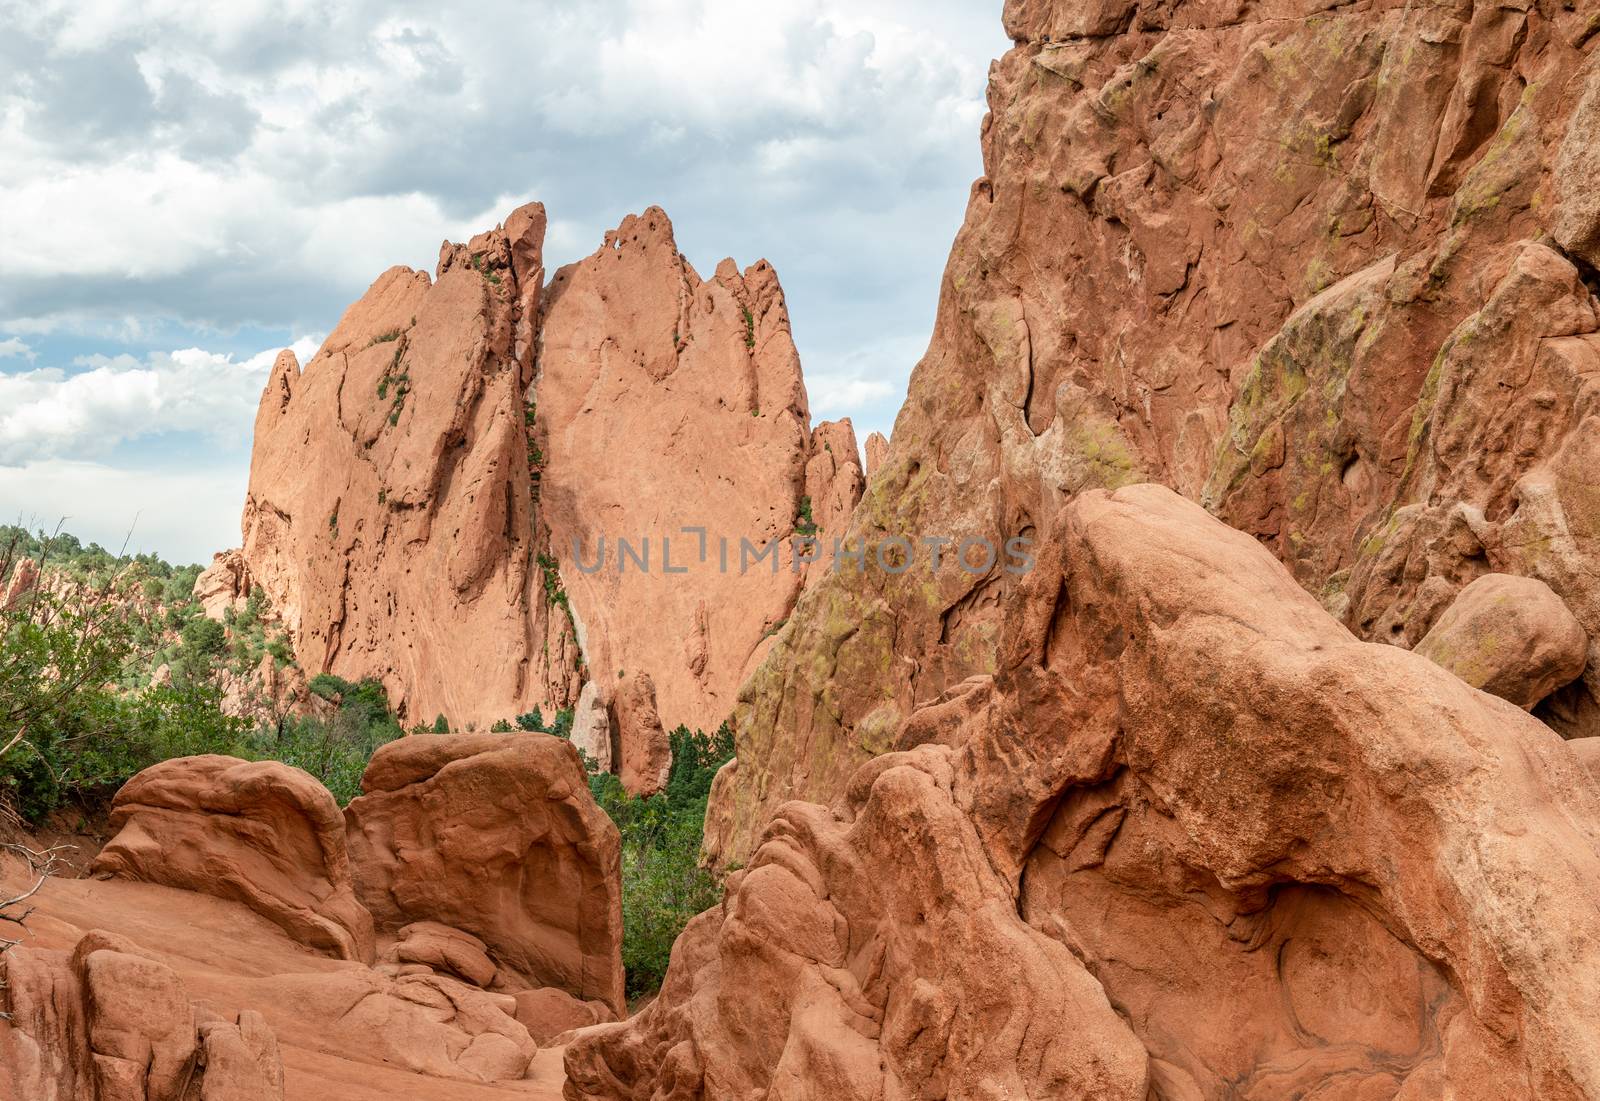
(224, 585)
(877, 453)
(485, 492)
(24, 579)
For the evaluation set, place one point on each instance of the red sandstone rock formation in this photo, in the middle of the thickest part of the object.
(418, 491)
(646, 751)
(224, 584)
(494, 836)
(668, 402)
(267, 1020)
(877, 453)
(390, 515)
(1511, 637)
(1329, 273)
(1194, 840)
(261, 833)
(107, 1022)
(494, 875)
(549, 1013)
(24, 579)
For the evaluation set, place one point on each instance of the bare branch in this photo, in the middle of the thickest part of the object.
(41, 863)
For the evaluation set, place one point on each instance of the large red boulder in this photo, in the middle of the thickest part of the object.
(497, 836)
(1193, 840)
(261, 833)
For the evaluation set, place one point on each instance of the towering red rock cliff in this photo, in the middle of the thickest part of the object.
(667, 402)
(390, 514)
(1328, 270)
(429, 496)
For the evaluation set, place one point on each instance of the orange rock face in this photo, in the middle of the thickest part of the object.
(1294, 863)
(423, 494)
(497, 837)
(107, 1021)
(390, 514)
(1329, 274)
(668, 402)
(23, 580)
(261, 833)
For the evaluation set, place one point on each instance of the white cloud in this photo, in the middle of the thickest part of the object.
(833, 395)
(349, 160)
(183, 515)
(193, 167)
(48, 413)
(15, 349)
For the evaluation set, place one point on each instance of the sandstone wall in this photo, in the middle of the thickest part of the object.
(1328, 270)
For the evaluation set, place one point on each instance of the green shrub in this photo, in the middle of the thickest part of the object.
(533, 722)
(70, 727)
(663, 884)
(79, 715)
(335, 749)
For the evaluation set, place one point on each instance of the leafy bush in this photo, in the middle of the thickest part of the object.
(534, 722)
(79, 715)
(68, 727)
(335, 749)
(663, 884)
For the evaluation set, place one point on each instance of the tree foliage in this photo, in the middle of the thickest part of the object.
(663, 884)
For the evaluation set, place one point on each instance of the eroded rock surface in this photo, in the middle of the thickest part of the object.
(201, 995)
(495, 835)
(107, 1022)
(261, 833)
(1193, 840)
(646, 750)
(1510, 636)
(1328, 272)
(390, 512)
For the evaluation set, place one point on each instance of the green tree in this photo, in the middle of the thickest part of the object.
(663, 884)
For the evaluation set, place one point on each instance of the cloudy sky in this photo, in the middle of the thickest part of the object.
(186, 187)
